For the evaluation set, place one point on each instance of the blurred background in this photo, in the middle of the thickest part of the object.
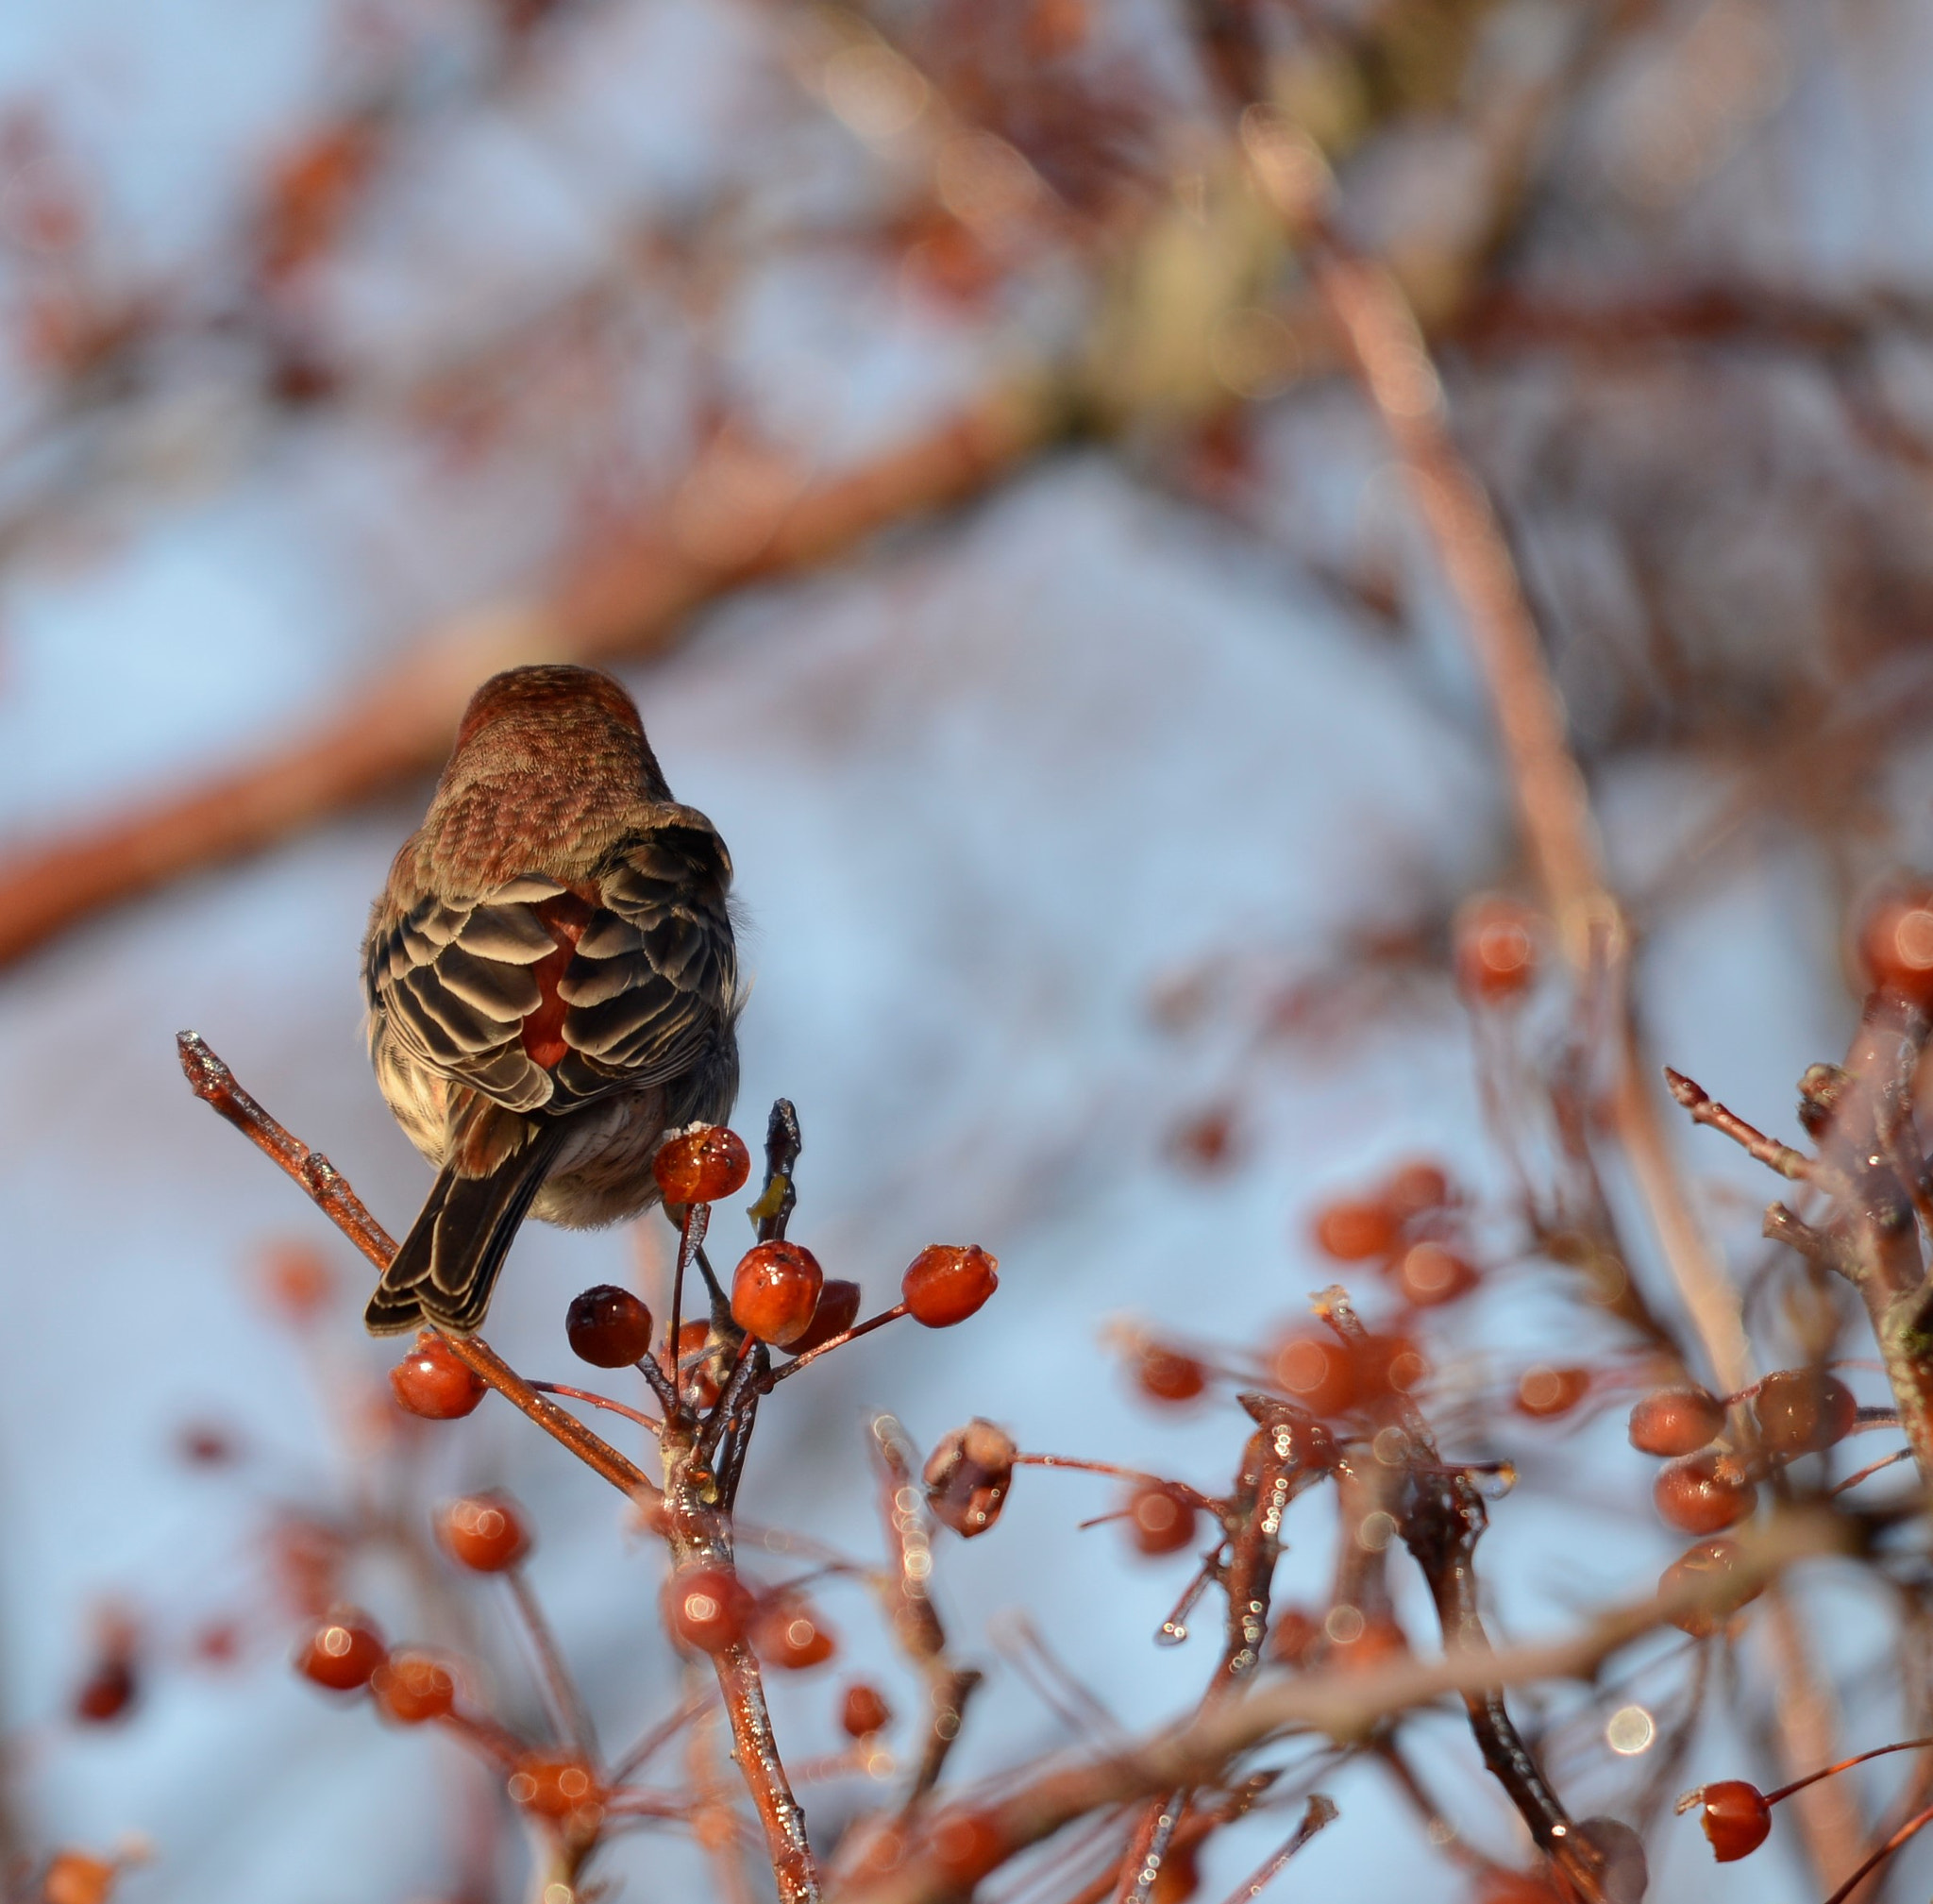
(924, 411)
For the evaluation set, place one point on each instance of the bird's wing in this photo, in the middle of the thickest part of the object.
(653, 980)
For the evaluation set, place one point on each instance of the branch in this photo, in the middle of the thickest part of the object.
(1705, 1109)
(628, 598)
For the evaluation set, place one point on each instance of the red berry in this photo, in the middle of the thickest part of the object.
(112, 1683)
(774, 1291)
(608, 1327)
(1205, 1141)
(411, 1689)
(1166, 1374)
(1516, 1887)
(1180, 1877)
(968, 1475)
(1736, 1817)
(965, 1846)
(1356, 1229)
(1295, 1636)
(1429, 1274)
(74, 1877)
(1160, 1520)
(838, 1311)
(789, 1634)
(1414, 1189)
(1802, 1410)
(945, 1283)
(703, 1166)
(553, 1787)
(708, 1608)
(1373, 1643)
(1675, 1421)
(702, 1384)
(297, 1280)
(484, 1532)
(342, 1653)
(432, 1381)
(1896, 943)
(1318, 1372)
(1544, 1391)
(1711, 1564)
(1495, 949)
(863, 1711)
(1703, 1493)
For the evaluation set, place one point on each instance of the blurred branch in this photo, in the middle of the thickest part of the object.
(731, 522)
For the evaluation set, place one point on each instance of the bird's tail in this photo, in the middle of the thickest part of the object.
(447, 1266)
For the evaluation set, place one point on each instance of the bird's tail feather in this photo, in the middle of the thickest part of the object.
(448, 1263)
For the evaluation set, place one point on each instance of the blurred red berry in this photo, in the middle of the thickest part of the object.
(1356, 1229)
(789, 1633)
(1495, 949)
(838, 1311)
(968, 1475)
(484, 1532)
(1180, 1877)
(701, 1167)
(1544, 1391)
(1295, 1636)
(945, 1283)
(1204, 1143)
(1703, 1493)
(1896, 943)
(1712, 1564)
(1799, 1411)
(1675, 1421)
(965, 1846)
(1160, 1520)
(342, 1653)
(863, 1712)
(74, 1877)
(1515, 1887)
(1166, 1374)
(608, 1327)
(1318, 1372)
(433, 1382)
(1414, 1189)
(413, 1688)
(109, 1691)
(206, 1445)
(1429, 1274)
(297, 1280)
(1736, 1817)
(774, 1291)
(702, 1385)
(1373, 1642)
(553, 1787)
(708, 1608)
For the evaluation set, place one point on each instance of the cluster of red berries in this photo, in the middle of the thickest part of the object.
(1403, 1225)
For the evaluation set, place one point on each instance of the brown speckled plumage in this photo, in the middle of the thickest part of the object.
(551, 984)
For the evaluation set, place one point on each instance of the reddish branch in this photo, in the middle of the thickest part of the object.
(628, 597)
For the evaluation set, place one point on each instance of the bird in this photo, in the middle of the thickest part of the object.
(552, 985)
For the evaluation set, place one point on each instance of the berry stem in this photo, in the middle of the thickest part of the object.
(839, 1341)
(1844, 1765)
(643, 1421)
(1913, 1826)
(691, 1233)
(1178, 1488)
(561, 1693)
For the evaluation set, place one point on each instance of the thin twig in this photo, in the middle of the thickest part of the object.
(559, 1688)
(1705, 1109)
(1320, 1812)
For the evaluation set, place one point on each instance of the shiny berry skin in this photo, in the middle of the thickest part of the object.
(1316, 1372)
(708, 1608)
(774, 1291)
(945, 1283)
(1166, 1374)
(413, 1688)
(1357, 1230)
(431, 1382)
(1429, 1274)
(1736, 1817)
(789, 1634)
(1675, 1421)
(1897, 944)
(483, 1532)
(74, 1877)
(703, 1166)
(1495, 949)
(1160, 1520)
(341, 1654)
(608, 1327)
(968, 1475)
(1703, 1493)
(1799, 1411)
(863, 1712)
(1543, 1392)
(553, 1787)
(838, 1311)
(1711, 1564)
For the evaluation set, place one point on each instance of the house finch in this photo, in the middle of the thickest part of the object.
(551, 984)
